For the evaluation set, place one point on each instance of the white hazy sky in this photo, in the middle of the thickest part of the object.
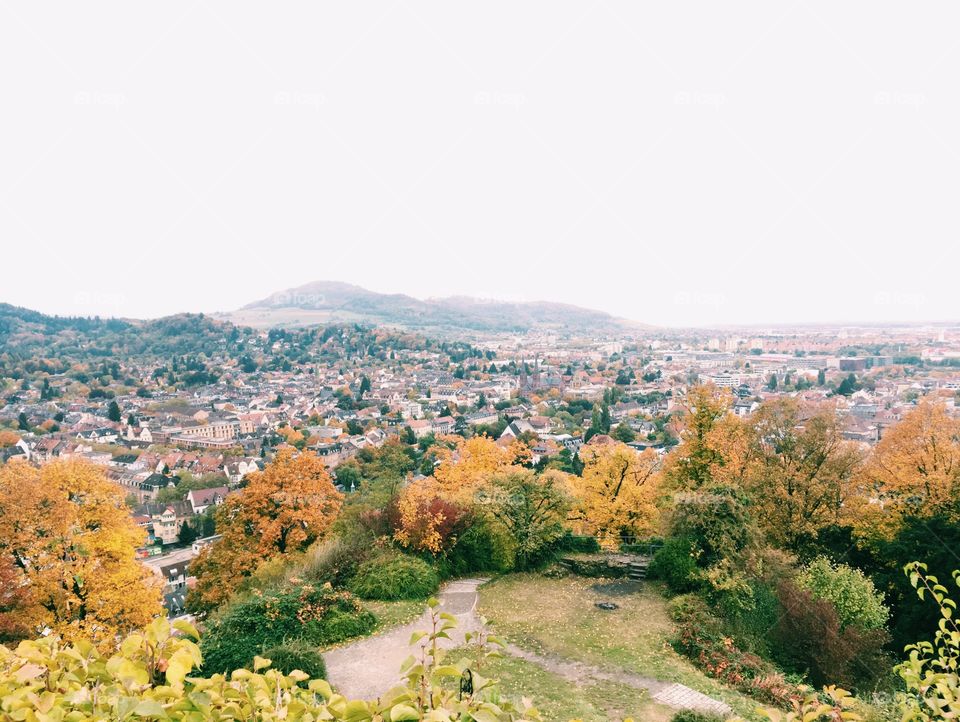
(673, 162)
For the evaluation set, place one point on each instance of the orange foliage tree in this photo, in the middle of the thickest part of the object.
(282, 509)
(801, 469)
(714, 444)
(913, 470)
(71, 540)
(428, 510)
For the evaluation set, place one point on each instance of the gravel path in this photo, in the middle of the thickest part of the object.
(371, 666)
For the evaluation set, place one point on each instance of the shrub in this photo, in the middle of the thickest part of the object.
(289, 656)
(581, 544)
(300, 612)
(930, 673)
(689, 715)
(676, 564)
(700, 637)
(750, 620)
(392, 576)
(480, 548)
(857, 601)
(809, 639)
(717, 521)
(333, 560)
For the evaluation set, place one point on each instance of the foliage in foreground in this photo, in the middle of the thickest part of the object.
(932, 671)
(149, 678)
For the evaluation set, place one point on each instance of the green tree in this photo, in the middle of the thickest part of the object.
(857, 601)
(113, 412)
(531, 509)
(848, 385)
(624, 433)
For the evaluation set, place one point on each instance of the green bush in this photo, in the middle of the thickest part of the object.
(480, 548)
(392, 576)
(750, 621)
(334, 560)
(304, 613)
(289, 656)
(581, 544)
(676, 564)
(701, 638)
(809, 639)
(857, 601)
(689, 715)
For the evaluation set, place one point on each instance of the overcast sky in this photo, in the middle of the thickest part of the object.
(671, 162)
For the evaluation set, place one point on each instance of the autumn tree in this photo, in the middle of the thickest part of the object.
(427, 519)
(67, 533)
(14, 603)
(801, 469)
(713, 448)
(282, 509)
(469, 464)
(531, 508)
(8, 438)
(914, 470)
(616, 494)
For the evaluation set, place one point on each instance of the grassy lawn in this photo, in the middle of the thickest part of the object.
(559, 699)
(391, 614)
(558, 617)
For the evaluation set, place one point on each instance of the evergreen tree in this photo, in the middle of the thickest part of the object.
(113, 412)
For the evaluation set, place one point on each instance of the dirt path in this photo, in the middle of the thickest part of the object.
(371, 666)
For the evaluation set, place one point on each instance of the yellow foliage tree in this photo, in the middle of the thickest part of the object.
(428, 520)
(469, 464)
(282, 509)
(913, 470)
(714, 444)
(801, 469)
(616, 494)
(72, 541)
(430, 510)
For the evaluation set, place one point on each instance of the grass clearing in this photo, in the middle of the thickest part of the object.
(394, 613)
(559, 699)
(557, 617)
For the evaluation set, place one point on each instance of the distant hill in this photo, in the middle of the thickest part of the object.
(332, 301)
(26, 333)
